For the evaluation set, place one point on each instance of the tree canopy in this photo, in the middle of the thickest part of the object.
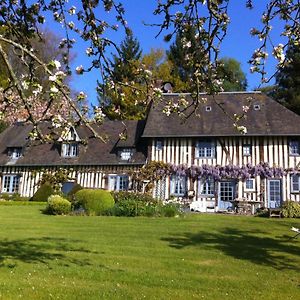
(207, 20)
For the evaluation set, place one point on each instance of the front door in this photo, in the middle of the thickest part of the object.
(274, 193)
(226, 194)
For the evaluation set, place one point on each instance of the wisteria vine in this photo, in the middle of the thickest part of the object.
(217, 172)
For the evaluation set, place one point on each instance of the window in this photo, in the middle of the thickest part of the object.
(294, 147)
(207, 108)
(118, 182)
(256, 107)
(207, 187)
(249, 184)
(247, 150)
(227, 191)
(159, 145)
(178, 185)
(15, 153)
(10, 183)
(295, 183)
(205, 149)
(126, 154)
(70, 150)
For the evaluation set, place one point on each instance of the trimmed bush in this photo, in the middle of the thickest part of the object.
(291, 209)
(43, 193)
(58, 205)
(94, 202)
(125, 195)
(5, 196)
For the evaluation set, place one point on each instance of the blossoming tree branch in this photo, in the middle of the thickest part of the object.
(21, 22)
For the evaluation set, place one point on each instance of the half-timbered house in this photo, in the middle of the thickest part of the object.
(211, 161)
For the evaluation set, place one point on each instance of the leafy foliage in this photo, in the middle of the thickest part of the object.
(94, 202)
(57, 205)
(291, 209)
(234, 78)
(288, 81)
(43, 193)
(132, 204)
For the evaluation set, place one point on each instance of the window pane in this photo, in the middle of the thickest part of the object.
(295, 183)
(126, 154)
(294, 147)
(178, 185)
(207, 187)
(205, 149)
(249, 184)
(246, 150)
(11, 183)
(123, 182)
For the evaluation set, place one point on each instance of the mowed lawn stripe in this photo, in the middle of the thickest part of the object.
(191, 257)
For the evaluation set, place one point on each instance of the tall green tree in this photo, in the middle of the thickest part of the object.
(124, 102)
(234, 78)
(124, 64)
(288, 81)
(183, 47)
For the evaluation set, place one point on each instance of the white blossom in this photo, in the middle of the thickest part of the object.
(79, 70)
(57, 64)
(54, 90)
(72, 10)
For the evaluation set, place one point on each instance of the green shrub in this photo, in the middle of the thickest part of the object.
(5, 196)
(125, 195)
(94, 202)
(58, 205)
(129, 208)
(291, 209)
(170, 210)
(43, 193)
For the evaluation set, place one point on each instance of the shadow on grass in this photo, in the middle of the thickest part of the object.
(42, 250)
(279, 253)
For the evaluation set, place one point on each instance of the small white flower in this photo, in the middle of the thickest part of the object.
(54, 89)
(79, 70)
(89, 51)
(72, 10)
(52, 77)
(57, 64)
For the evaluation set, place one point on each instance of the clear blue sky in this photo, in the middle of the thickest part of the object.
(238, 42)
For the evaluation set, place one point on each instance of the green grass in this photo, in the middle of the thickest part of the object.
(193, 257)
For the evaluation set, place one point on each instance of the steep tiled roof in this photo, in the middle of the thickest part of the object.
(91, 152)
(270, 119)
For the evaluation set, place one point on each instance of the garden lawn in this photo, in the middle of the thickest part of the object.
(191, 257)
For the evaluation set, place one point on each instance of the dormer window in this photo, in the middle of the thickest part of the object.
(207, 108)
(15, 153)
(126, 154)
(69, 150)
(256, 107)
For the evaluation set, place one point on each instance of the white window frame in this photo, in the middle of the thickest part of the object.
(206, 187)
(253, 184)
(118, 182)
(247, 150)
(15, 152)
(294, 147)
(295, 177)
(178, 185)
(126, 154)
(9, 185)
(205, 149)
(70, 149)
